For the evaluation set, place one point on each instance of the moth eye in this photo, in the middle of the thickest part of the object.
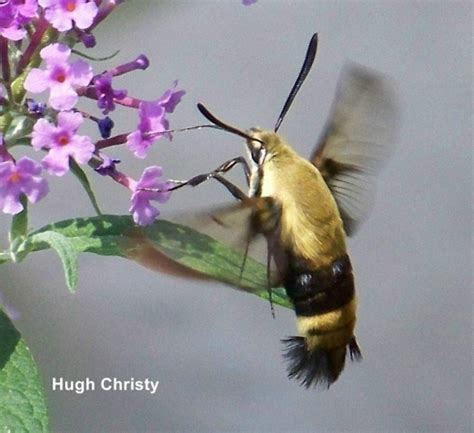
(256, 153)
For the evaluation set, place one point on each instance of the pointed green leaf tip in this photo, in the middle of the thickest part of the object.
(19, 225)
(22, 402)
(82, 177)
(65, 250)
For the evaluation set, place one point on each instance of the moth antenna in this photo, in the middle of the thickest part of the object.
(220, 124)
(308, 62)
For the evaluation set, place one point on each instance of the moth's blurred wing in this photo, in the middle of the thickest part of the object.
(205, 245)
(357, 141)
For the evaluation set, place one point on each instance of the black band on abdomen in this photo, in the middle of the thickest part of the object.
(321, 291)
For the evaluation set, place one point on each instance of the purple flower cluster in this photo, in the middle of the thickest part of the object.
(46, 65)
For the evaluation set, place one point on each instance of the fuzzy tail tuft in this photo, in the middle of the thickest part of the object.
(318, 366)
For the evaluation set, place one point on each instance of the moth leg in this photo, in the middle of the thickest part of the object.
(233, 189)
(226, 166)
(269, 284)
(250, 236)
(216, 174)
(266, 219)
(223, 168)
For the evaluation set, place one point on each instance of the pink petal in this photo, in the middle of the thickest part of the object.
(6, 168)
(47, 3)
(80, 73)
(14, 33)
(37, 81)
(28, 166)
(63, 97)
(137, 144)
(55, 53)
(171, 98)
(149, 176)
(11, 204)
(43, 134)
(28, 8)
(151, 112)
(84, 14)
(70, 121)
(143, 212)
(56, 162)
(81, 149)
(59, 19)
(36, 189)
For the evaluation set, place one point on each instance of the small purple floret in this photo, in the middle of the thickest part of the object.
(153, 121)
(107, 166)
(63, 13)
(62, 142)
(17, 179)
(88, 39)
(152, 118)
(141, 62)
(142, 210)
(171, 98)
(105, 94)
(59, 76)
(35, 107)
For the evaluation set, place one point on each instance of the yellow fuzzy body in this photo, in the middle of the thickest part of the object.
(329, 330)
(310, 223)
(310, 252)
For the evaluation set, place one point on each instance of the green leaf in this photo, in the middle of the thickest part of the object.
(5, 120)
(20, 127)
(163, 245)
(82, 177)
(22, 402)
(206, 255)
(95, 59)
(19, 225)
(18, 233)
(102, 235)
(65, 250)
(4, 257)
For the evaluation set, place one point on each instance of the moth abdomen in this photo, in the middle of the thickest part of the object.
(325, 306)
(317, 366)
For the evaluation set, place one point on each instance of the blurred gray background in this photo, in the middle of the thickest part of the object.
(215, 351)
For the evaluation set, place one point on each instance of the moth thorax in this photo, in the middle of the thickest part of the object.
(266, 216)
